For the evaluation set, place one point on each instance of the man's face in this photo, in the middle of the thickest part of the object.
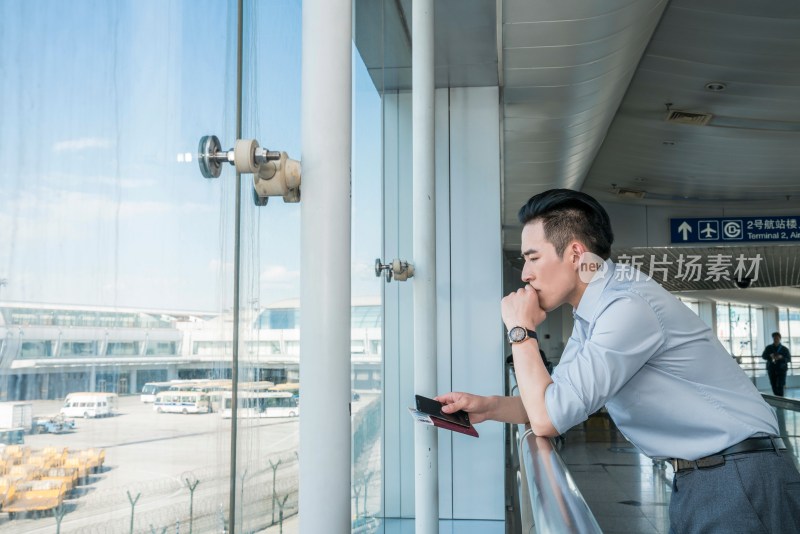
(553, 278)
(776, 340)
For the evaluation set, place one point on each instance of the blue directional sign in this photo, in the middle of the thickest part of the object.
(733, 230)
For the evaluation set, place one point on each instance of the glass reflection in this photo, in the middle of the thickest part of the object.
(115, 266)
(116, 322)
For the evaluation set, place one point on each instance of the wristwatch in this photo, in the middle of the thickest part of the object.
(518, 334)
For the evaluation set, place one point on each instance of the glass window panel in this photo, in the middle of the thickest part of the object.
(36, 349)
(724, 326)
(692, 305)
(740, 330)
(793, 333)
(117, 253)
(161, 348)
(78, 348)
(293, 347)
(269, 274)
(122, 348)
(367, 311)
(281, 319)
(375, 346)
(755, 365)
(264, 347)
(139, 236)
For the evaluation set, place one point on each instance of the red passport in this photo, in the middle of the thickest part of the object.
(429, 412)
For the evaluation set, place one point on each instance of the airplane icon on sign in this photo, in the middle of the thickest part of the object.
(708, 230)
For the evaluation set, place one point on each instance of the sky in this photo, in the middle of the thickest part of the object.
(102, 106)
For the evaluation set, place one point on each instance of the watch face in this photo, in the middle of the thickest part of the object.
(516, 334)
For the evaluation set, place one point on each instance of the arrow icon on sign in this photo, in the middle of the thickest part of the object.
(684, 229)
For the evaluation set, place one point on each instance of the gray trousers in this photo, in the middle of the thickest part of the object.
(754, 492)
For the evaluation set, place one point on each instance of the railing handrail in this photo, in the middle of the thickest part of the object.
(556, 503)
(782, 402)
(549, 499)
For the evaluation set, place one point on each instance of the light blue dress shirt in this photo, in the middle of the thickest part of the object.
(666, 380)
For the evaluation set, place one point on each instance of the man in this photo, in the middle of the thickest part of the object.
(778, 359)
(667, 382)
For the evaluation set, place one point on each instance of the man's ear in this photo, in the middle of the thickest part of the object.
(576, 249)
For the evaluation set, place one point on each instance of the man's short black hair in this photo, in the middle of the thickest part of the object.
(776, 334)
(568, 215)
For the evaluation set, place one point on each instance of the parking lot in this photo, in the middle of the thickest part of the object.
(156, 457)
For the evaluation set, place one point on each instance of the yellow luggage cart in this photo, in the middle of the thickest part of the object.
(37, 497)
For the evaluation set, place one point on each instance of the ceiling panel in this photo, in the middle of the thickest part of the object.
(748, 152)
(566, 66)
(465, 42)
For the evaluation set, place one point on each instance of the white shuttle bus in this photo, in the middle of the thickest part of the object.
(184, 402)
(151, 389)
(262, 404)
(89, 404)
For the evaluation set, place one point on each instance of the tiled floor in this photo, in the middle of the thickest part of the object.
(625, 490)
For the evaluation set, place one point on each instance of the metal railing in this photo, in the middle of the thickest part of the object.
(549, 492)
(548, 498)
(782, 402)
(755, 366)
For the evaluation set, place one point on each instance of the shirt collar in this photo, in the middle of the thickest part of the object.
(591, 297)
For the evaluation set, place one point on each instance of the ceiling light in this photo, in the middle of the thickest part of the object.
(716, 86)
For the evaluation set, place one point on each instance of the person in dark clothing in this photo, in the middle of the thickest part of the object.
(778, 359)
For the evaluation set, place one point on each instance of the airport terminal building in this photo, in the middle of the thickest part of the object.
(50, 351)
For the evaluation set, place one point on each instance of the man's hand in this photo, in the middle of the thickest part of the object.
(476, 406)
(521, 308)
(496, 408)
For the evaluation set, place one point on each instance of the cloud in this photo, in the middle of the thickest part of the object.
(216, 265)
(126, 183)
(278, 275)
(83, 143)
(40, 213)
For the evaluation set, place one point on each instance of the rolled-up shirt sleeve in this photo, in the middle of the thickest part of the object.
(624, 336)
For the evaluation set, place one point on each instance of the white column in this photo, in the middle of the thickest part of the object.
(325, 267)
(93, 378)
(426, 454)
